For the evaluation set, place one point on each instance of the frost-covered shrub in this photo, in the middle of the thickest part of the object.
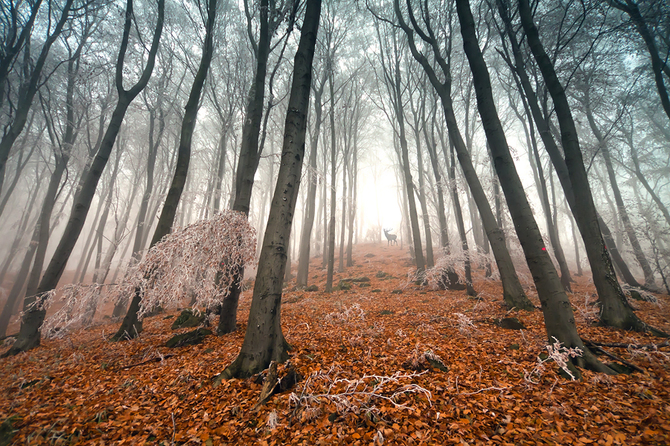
(200, 260)
(198, 263)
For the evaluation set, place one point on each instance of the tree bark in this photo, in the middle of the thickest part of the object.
(558, 315)
(131, 326)
(615, 309)
(264, 341)
(29, 335)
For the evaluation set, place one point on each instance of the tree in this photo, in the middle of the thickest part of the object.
(308, 219)
(264, 341)
(615, 309)
(390, 57)
(659, 63)
(29, 89)
(616, 191)
(558, 316)
(131, 325)
(250, 150)
(513, 293)
(34, 312)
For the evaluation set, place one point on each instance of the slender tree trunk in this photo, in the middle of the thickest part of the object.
(131, 326)
(458, 214)
(404, 157)
(24, 222)
(615, 309)
(353, 180)
(430, 259)
(264, 341)
(558, 315)
(441, 213)
(541, 184)
(343, 224)
(333, 184)
(29, 335)
(308, 221)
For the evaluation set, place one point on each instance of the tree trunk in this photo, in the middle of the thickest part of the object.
(131, 326)
(29, 335)
(513, 293)
(264, 341)
(541, 184)
(333, 184)
(247, 163)
(615, 309)
(458, 214)
(308, 221)
(23, 224)
(558, 315)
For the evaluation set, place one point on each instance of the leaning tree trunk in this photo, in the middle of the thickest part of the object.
(558, 315)
(248, 161)
(541, 184)
(649, 281)
(458, 214)
(308, 222)
(615, 309)
(513, 292)
(131, 325)
(29, 335)
(264, 341)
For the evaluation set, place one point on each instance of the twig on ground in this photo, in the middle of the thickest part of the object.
(591, 345)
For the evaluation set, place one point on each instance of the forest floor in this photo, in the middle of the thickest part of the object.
(366, 379)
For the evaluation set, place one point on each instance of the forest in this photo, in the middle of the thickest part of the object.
(355, 222)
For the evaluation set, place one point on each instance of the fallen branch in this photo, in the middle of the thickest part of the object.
(625, 345)
(156, 359)
(593, 346)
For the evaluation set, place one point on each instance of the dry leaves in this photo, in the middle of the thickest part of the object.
(364, 355)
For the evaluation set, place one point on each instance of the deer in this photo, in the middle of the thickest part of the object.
(392, 239)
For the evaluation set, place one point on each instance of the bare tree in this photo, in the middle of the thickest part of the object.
(29, 335)
(513, 293)
(616, 311)
(131, 325)
(264, 341)
(559, 319)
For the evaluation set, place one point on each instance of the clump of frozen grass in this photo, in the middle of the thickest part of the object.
(347, 314)
(421, 359)
(558, 353)
(464, 324)
(354, 396)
